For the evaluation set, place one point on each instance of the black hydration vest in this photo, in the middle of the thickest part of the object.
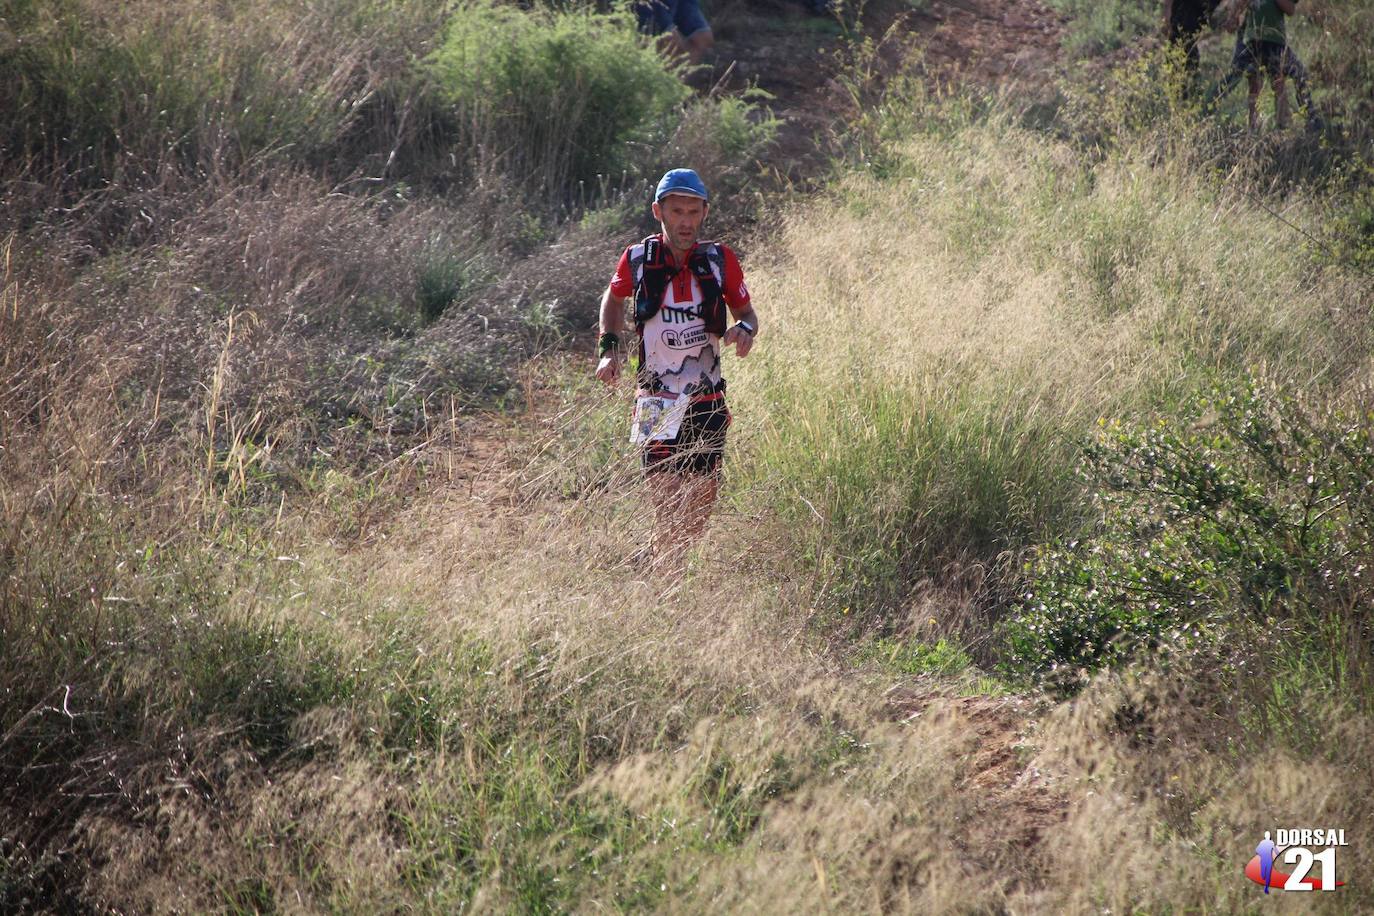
(655, 276)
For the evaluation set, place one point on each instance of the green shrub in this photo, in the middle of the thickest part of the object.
(941, 657)
(1095, 27)
(107, 91)
(441, 280)
(549, 97)
(1351, 229)
(1333, 40)
(734, 124)
(905, 480)
(723, 138)
(1251, 514)
(951, 320)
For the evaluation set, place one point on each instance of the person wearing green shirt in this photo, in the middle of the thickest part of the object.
(1262, 49)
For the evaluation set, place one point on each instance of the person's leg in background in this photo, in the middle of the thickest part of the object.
(1187, 19)
(1281, 117)
(1252, 103)
(1270, 55)
(656, 18)
(1242, 62)
(694, 31)
(1294, 70)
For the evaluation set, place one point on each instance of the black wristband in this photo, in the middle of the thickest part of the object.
(607, 344)
(747, 327)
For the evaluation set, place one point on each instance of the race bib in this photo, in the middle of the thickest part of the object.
(657, 417)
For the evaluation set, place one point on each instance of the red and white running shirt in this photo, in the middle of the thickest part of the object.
(679, 355)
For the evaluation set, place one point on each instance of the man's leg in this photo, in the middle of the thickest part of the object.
(1253, 101)
(689, 484)
(699, 493)
(682, 508)
(697, 44)
(1293, 68)
(1270, 56)
(1192, 61)
(1241, 63)
(695, 33)
(669, 542)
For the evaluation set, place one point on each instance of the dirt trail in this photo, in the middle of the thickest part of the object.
(1014, 804)
(993, 44)
(792, 54)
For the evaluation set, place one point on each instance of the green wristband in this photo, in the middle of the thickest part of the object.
(607, 344)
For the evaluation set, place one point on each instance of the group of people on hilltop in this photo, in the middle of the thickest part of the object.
(1261, 49)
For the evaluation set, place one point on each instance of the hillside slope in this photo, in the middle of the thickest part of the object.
(319, 586)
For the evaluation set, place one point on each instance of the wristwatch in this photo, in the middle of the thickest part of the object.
(747, 327)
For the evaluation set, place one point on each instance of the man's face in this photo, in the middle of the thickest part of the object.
(681, 216)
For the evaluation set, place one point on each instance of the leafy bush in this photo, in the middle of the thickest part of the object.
(722, 137)
(957, 315)
(1251, 514)
(547, 97)
(443, 279)
(1351, 229)
(1095, 27)
(1333, 40)
(112, 91)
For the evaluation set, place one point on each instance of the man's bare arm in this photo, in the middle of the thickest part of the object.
(749, 316)
(612, 313)
(612, 322)
(743, 340)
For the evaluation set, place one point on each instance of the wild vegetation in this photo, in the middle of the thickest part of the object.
(1039, 584)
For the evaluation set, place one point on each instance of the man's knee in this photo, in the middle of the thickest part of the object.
(700, 42)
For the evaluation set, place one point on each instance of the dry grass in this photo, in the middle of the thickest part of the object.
(1174, 796)
(946, 329)
(247, 667)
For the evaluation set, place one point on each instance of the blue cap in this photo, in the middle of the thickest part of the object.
(680, 181)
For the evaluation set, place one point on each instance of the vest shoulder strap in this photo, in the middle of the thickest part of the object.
(649, 254)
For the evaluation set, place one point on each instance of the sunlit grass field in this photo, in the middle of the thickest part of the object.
(318, 577)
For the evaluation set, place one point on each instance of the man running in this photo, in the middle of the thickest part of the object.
(1265, 850)
(681, 287)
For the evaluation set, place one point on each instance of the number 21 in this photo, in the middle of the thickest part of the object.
(1301, 857)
